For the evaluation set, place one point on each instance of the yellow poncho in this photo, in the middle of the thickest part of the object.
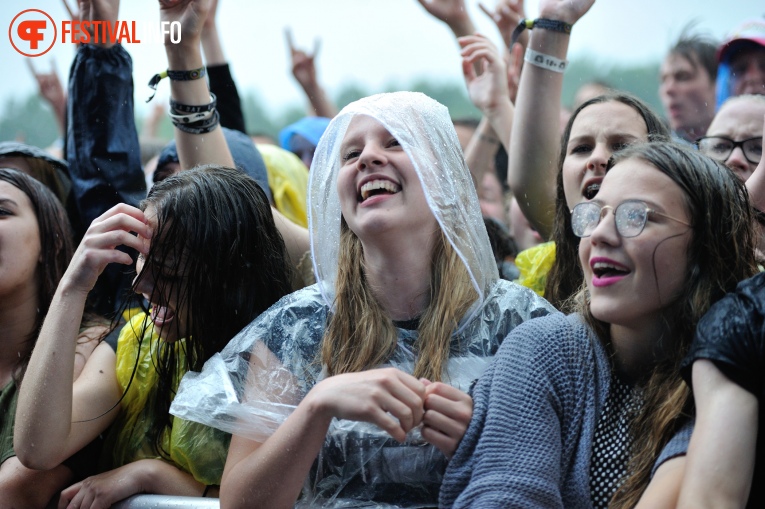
(288, 180)
(534, 264)
(194, 448)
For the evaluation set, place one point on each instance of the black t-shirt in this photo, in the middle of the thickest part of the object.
(732, 336)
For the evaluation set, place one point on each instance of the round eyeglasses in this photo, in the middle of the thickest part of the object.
(721, 147)
(631, 216)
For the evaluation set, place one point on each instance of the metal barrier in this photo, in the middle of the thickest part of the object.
(166, 502)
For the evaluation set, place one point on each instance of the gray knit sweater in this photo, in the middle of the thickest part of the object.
(535, 412)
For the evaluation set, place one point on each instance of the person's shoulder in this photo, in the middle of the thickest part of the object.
(297, 304)
(297, 318)
(745, 306)
(550, 337)
(754, 287)
(512, 297)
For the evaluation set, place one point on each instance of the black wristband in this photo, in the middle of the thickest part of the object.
(201, 127)
(193, 74)
(179, 108)
(543, 23)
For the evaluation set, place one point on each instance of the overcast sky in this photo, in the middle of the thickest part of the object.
(373, 42)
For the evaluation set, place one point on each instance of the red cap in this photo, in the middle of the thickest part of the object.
(752, 30)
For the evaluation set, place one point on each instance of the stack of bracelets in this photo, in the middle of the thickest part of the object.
(193, 119)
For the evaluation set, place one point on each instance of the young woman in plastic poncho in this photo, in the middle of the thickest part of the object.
(576, 411)
(406, 281)
(210, 261)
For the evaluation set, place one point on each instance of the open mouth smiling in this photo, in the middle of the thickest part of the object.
(377, 187)
(606, 269)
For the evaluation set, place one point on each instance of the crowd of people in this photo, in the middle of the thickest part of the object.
(390, 307)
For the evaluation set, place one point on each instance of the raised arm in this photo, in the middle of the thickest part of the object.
(52, 91)
(534, 145)
(304, 71)
(219, 73)
(488, 90)
(102, 143)
(451, 12)
(198, 145)
(57, 416)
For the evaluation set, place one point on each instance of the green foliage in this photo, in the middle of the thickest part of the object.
(28, 120)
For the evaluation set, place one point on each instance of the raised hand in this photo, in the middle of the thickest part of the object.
(489, 90)
(451, 12)
(51, 90)
(209, 22)
(303, 63)
(506, 15)
(99, 245)
(50, 85)
(389, 398)
(192, 15)
(568, 11)
(96, 10)
(447, 415)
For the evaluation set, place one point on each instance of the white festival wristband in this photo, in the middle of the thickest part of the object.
(545, 61)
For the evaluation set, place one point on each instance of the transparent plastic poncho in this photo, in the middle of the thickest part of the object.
(255, 383)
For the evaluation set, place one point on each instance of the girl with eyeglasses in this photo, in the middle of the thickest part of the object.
(578, 410)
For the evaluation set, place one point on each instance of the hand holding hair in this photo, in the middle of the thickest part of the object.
(98, 248)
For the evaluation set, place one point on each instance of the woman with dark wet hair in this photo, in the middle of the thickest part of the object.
(211, 260)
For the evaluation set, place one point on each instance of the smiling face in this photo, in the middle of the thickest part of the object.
(739, 119)
(688, 95)
(378, 186)
(162, 286)
(631, 281)
(19, 244)
(597, 132)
